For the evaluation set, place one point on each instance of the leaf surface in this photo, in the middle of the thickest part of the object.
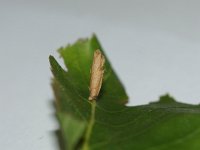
(108, 123)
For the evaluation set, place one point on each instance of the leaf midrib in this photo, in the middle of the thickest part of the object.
(90, 126)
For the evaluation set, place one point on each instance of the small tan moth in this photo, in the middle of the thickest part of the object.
(97, 72)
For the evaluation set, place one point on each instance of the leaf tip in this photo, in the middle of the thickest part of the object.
(51, 58)
(166, 99)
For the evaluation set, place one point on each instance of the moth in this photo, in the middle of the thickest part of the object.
(97, 71)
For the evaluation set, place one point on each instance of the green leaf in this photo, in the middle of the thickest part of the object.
(109, 124)
(71, 127)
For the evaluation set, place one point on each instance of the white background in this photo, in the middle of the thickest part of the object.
(154, 47)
